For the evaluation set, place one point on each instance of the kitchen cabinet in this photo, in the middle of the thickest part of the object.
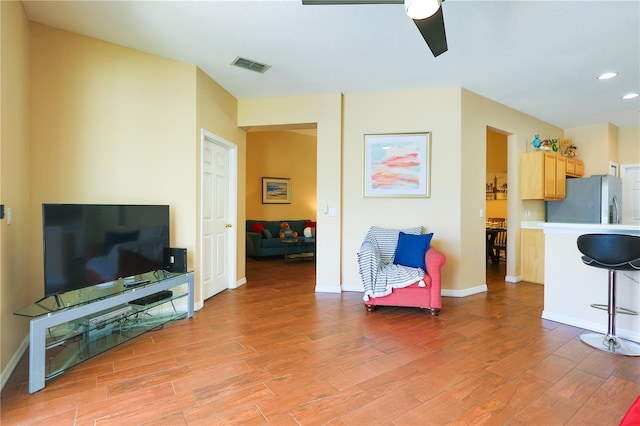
(575, 167)
(543, 176)
(532, 255)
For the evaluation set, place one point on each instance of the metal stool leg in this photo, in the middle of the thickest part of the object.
(612, 343)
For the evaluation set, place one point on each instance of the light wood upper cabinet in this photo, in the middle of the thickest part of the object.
(543, 176)
(575, 167)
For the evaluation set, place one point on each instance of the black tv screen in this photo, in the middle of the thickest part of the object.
(89, 244)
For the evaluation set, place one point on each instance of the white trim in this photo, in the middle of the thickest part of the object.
(13, 362)
(232, 213)
(328, 289)
(353, 287)
(464, 293)
(589, 325)
(513, 278)
(241, 282)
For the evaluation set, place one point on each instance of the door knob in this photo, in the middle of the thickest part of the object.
(228, 225)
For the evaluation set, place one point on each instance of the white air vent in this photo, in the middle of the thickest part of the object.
(250, 65)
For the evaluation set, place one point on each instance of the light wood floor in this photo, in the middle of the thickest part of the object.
(274, 352)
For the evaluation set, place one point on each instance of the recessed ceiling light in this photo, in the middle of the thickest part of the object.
(630, 96)
(607, 75)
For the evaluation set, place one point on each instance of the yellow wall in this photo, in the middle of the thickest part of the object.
(435, 111)
(17, 289)
(110, 125)
(92, 122)
(286, 155)
(597, 145)
(629, 145)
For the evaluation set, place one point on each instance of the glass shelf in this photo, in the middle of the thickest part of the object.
(82, 346)
(83, 296)
(119, 315)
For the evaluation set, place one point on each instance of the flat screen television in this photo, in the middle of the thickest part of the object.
(89, 244)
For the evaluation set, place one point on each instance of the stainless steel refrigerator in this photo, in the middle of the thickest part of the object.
(596, 199)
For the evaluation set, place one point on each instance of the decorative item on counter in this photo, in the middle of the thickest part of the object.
(546, 145)
(536, 142)
(565, 147)
(571, 151)
(554, 145)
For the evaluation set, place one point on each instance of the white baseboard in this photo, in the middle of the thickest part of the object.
(240, 282)
(353, 287)
(13, 362)
(513, 278)
(464, 293)
(328, 289)
(591, 326)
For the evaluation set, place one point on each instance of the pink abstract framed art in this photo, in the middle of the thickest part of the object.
(397, 165)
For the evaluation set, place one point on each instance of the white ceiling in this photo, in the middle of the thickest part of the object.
(538, 57)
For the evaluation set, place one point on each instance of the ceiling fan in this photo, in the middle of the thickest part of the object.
(427, 14)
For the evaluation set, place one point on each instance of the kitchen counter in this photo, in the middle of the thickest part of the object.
(570, 286)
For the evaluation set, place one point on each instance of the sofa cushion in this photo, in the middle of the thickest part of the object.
(257, 227)
(272, 243)
(267, 234)
(411, 250)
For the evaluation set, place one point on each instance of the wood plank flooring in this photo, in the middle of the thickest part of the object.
(274, 352)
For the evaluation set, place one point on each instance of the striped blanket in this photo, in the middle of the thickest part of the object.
(375, 261)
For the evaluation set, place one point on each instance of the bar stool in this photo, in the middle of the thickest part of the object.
(614, 252)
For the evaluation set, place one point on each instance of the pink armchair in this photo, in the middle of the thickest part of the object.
(389, 284)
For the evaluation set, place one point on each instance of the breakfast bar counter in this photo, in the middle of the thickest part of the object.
(570, 286)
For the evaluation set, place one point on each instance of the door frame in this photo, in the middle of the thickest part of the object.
(623, 169)
(232, 205)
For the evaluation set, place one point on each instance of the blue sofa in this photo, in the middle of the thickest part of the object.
(260, 245)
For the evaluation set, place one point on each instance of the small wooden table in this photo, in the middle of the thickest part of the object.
(307, 248)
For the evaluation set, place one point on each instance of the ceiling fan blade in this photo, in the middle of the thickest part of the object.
(432, 30)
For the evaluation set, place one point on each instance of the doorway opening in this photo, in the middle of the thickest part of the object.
(496, 202)
(287, 152)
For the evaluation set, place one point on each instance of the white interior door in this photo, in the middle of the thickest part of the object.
(216, 227)
(630, 174)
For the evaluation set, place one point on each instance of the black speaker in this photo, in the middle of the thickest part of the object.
(175, 259)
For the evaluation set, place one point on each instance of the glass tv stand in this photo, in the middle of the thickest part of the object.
(72, 327)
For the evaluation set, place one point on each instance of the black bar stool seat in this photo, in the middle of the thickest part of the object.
(613, 252)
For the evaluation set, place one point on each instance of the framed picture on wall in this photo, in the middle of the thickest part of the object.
(397, 165)
(276, 190)
(496, 187)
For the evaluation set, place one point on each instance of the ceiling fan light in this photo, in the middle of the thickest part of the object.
(421, 9)
(607, 75)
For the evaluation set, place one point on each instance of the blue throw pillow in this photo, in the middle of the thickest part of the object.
(411, 250)
(267, 234)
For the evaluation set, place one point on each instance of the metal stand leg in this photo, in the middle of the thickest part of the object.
(611, 343)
